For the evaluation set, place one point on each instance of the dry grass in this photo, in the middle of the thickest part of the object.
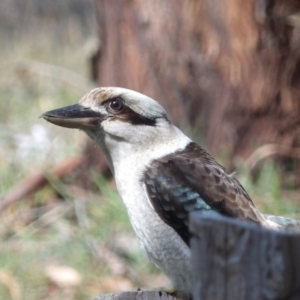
(55, 245)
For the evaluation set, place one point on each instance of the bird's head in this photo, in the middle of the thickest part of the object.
(118, 118)
(119, 112)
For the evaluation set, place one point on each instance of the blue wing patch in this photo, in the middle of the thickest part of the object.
(173, 201)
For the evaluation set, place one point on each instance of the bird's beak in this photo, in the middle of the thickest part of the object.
(74, 116)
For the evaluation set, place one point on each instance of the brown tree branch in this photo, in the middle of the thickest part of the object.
(37, 180)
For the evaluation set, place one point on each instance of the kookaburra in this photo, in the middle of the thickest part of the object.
(160, 173)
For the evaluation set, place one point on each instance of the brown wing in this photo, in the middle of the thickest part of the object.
(191, 180)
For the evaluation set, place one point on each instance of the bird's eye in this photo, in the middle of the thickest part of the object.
(116, 105)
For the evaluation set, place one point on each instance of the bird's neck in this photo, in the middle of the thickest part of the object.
(127, 156)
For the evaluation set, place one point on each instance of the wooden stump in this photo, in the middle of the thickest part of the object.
(237, 260)
(137, 295)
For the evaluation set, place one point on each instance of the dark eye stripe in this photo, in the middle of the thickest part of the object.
(130, 116)
(137, 119)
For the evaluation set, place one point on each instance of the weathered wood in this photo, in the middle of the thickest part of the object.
(237, 260)
(137, 295)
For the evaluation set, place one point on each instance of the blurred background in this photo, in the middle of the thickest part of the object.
(228, 74)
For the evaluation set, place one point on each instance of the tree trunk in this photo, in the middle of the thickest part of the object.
(231, 68)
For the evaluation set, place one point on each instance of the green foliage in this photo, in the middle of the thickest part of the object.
(266, 191)
(88, 232)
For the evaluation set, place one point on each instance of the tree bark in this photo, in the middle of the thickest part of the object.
(231, 68)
